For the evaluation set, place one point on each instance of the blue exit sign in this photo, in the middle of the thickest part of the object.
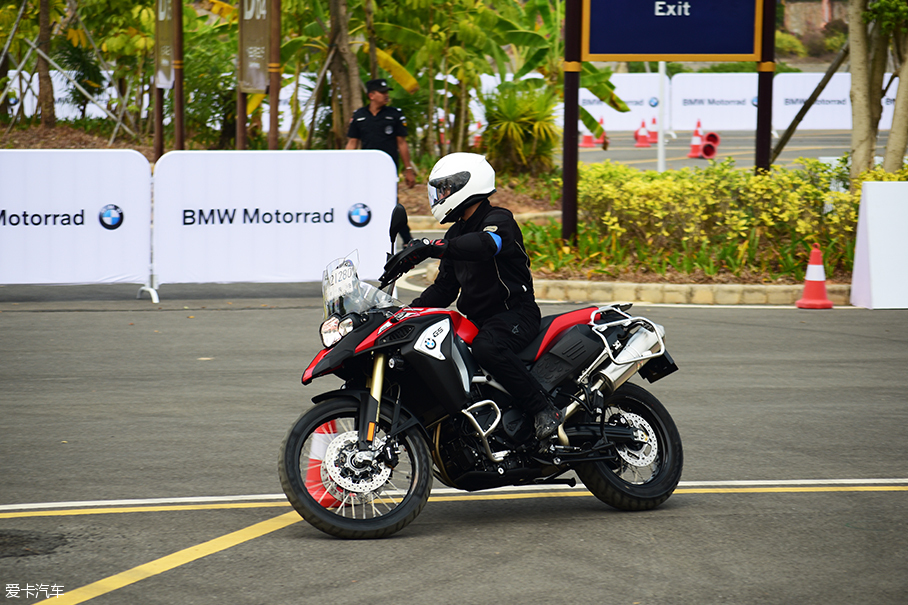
(672, 30)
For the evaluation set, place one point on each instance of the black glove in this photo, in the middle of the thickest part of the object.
(413, 253)
(416, 251)
(438, 247)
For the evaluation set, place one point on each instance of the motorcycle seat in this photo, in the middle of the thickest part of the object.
(550, 327)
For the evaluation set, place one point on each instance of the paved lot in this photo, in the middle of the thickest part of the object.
(119, 403)
(739, 145)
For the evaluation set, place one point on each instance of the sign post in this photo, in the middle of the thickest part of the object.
(655, 30)
(766, 70)
(572, 23)
(168, 73)
(274, 71)
(252, 64)
(163, 68)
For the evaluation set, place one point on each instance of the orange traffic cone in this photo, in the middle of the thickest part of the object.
(587, 141)
(696, 143)
(642, 136)
(654, 133)
(601, 139)
(815, 283)
(320, 439)
(477, 138)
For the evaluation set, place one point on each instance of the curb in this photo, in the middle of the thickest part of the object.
(681, 294)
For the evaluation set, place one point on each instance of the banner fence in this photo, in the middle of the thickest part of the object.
(219, 216)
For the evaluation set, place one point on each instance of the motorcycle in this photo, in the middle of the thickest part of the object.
(415, 405)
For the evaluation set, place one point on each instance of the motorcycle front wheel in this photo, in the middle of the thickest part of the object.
(347, 493)
(645, 473)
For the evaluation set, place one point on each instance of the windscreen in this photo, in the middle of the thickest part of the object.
(344, 293)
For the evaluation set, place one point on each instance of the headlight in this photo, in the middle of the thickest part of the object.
(333, 329)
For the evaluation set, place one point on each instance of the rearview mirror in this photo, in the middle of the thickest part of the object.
(398, 222)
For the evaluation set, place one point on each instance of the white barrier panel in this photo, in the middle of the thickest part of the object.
(270, 216)
(880, 257)
(888, 102)
(831, 111)
(641, 94)
(285, 119)
(24, 91)
(74, 217)
(719, 101)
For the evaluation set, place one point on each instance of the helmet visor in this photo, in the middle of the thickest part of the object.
(444, 187)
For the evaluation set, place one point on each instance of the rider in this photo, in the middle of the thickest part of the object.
(484, 261)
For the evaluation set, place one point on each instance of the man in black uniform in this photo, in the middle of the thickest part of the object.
(484, 261)
(380, 126)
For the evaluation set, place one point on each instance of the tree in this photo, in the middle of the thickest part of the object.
(873, 26)
(345, 80)
(45, 84)
(123, 31)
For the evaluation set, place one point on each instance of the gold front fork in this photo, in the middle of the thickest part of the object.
(377, 383)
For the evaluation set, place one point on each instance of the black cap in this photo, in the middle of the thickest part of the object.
(380, 85)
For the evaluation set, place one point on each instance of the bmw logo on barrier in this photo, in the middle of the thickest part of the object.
(111, 216)
(359, 215)
(654, 102)
(755, 102)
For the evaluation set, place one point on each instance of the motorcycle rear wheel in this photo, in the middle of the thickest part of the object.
(346, 496)
(644, 477)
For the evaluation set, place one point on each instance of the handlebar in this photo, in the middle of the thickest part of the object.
(403, 261)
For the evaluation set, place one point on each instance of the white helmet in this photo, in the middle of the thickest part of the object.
(458, 181)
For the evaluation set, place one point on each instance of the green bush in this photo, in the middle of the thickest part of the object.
(788, 45)
(713, 221)
(745, 67)
(520, 134)
(835, 42)
(671, 68)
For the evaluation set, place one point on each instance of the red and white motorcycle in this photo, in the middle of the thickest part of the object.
(415, 404)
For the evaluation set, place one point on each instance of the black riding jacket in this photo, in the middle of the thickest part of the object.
(486, 263)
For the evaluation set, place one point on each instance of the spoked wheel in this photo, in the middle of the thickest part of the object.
(348, 493)
(645, 472)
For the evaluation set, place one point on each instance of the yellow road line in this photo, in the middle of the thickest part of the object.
(187, 555)
(458, 498)
(139, 509)
(683, 490)
(791, 490)
(158, 566)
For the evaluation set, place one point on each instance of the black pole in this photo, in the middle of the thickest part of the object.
(572, 25)
(240, 95)
(274, 71)
(766, 69)
(158, 123)
(241, 123)
(179, 128)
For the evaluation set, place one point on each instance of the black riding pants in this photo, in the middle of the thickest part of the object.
(496, 346)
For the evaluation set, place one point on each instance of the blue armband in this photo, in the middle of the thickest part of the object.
(497, 239)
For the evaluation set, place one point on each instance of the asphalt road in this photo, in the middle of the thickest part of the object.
(119, 403)
(738, 145)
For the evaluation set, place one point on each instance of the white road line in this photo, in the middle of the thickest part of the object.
(438, 491)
